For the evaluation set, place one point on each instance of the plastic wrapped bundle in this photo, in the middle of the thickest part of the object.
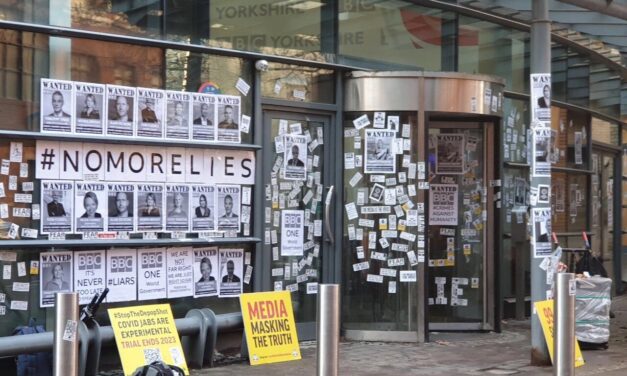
(592, 309)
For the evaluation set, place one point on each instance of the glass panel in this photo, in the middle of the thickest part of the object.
(493, 49)
(456, 249)
(604, 131)
(295, 196)
(373, 296)
(559, 136)
(284, 28)
(403, 35)
(514, 132)
(292, 82)
(605, 90)
(577, 131)
(194, 72)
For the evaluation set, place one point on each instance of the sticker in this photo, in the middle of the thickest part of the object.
(407, 276)
(361, 122)
(69, 333)
(242, 86)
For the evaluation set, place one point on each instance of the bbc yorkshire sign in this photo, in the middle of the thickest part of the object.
(270, 328)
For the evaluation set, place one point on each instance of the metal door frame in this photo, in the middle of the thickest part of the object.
(305, 330)
(490, 153)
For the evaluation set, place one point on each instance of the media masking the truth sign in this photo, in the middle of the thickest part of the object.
(270, 328)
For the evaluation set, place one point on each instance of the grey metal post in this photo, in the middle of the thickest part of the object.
(328, 329)
(564, 327)
(540, 63)
(65, 348)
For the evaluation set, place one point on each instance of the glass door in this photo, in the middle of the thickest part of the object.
(602, 186)
(295, 193)
(459, 224)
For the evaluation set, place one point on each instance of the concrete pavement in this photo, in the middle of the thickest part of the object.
(505, 353)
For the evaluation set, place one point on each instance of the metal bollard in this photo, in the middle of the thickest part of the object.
(564, 326)
(328, 329)
(65, 348)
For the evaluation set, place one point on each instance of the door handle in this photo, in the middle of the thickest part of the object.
(327, 215)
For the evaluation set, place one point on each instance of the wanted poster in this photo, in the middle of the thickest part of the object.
(205, 272)
(180, 272)
(228, 205)
(450, 154)
(443, 205)
(57, 199)
(202, 207)
(121, 275)
(379, 157)
(541, 222)
(149, 207)
(177, 204)
(540, 98)
(578, 148)
(89, 274)
(55, 275)
(228, 115)
(292, 232)
(177, 115)
(121, 200)
(231, 272)
(90, 201)
(150, 110)
(89, 108)
(56, 106)
(541, 144)
(204, 112)
(151, 275)
(295, 157)
(120, 110)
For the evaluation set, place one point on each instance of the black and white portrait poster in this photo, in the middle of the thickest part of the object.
(89, 108)
(541, 144)
(443, 205)
(204, 112)
(541, 98)
(228, 109)
(177, 115)
(89, 274)
(231, 272)
(55, 275)
(180, 272)
(177, 205)
(91, 210)
(541, 222)
(520, 191)
(121, 200)
(152, 274)
(450, 156)
(149, 207)
(57, 201)
(206, 269)
(228, 204)
(295, 157)
(120, 108)
(202, 207)
(56, 106)
(150, 110)
(121, 275)
(379, 157)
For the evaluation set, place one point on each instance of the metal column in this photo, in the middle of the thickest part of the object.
(564, 329)
(65, 350)
(540, 63)
(328, 330)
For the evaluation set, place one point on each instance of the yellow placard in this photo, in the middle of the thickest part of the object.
(270, 327)
(144, 334)
(544, 309)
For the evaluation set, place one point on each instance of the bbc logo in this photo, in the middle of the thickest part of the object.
(89, 261)
(121, 264)
(152, 260)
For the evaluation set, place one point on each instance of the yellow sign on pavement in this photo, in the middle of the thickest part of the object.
(144, 334)
(544, 310)
(270, 327)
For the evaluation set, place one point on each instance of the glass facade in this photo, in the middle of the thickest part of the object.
(212, 46)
